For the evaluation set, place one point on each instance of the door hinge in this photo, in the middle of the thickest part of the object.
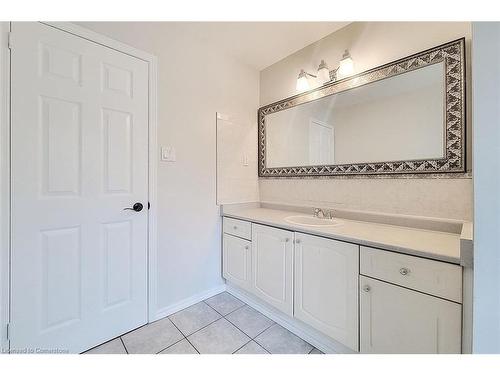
(9, 40)
(149, 205)
(8, 331)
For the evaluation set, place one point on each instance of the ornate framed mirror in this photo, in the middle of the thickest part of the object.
(405, 117)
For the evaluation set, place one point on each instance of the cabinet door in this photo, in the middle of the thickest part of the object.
(237, 261)
(272, 260)
(326, 287)
(399, 320)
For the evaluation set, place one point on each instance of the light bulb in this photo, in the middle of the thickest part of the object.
(323, 72)
(302, 83)
(346, 67)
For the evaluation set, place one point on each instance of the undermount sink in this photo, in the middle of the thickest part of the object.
(311, 221)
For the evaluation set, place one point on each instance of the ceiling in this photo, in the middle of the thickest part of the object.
(257, 44)
(260, 44)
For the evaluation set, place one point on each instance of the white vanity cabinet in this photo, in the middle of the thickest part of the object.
(272, 265)
(394, 319)
(237, 260)
(326, 287)
(347, 296)
(409, 304)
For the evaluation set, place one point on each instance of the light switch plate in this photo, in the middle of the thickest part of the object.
(167, 153)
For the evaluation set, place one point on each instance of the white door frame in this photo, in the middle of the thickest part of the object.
(5, 197)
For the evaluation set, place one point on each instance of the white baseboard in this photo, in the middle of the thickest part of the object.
(305, 332)
(171, 309)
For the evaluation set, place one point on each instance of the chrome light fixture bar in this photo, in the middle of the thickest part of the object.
(302, 82)
(345, 69)
(325, 75)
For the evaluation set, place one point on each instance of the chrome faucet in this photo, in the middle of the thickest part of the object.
(323, 214)
(318, 212)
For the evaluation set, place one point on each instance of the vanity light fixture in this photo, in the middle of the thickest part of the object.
(346, 68)
(302, 82)
(324, 72)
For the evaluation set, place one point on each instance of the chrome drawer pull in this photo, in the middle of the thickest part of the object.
(404, 271)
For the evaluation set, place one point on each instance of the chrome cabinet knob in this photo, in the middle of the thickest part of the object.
(247, 247)
(297, 240)
(367, 288)
(235, 227)
(287, 240)
(404, 271)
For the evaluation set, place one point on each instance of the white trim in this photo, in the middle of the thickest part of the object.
(4, 182)
(181, 305)
(88, 34)
(304, 331)
(153, 186)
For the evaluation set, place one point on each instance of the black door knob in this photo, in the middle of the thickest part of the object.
(136, 207)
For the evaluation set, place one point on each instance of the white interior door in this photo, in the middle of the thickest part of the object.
(321, 143)
(79, 157)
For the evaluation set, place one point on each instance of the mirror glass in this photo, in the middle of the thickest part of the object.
(393, 119)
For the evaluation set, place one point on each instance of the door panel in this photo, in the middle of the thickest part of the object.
(61, 260)
(272, 260)
(394, 319)
(237, 261)
(326, 286)
(79, 156)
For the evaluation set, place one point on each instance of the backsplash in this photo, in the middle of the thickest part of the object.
(442, 198)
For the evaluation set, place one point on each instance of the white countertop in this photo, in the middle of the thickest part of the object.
(443, 246)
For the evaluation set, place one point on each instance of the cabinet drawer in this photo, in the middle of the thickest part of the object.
(429, 276)
(237, 228)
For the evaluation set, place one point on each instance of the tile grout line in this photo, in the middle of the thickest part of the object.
(124, 346)
(183, 335)
(232, 311)
(241, 332)
(308, 343)
(221, 316)
(262, 347)
(236, 309)
(272, 325)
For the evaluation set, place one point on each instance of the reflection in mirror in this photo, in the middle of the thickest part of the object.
(397, 118)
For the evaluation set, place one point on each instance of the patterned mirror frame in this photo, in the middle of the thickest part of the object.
(453, 56)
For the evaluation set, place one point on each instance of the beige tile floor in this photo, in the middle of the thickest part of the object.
(219, 325)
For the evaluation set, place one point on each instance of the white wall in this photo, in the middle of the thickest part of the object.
(486, 107)
(371, 44)
(195, 82)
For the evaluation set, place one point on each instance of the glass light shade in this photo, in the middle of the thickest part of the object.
(302, 83)
(346, 67)
(323, 72)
